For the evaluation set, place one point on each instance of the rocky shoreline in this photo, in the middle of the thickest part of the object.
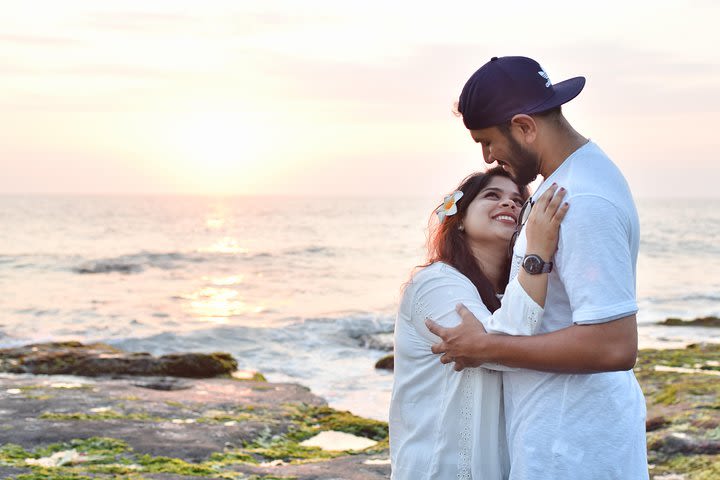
(118, 424)
(122, 421)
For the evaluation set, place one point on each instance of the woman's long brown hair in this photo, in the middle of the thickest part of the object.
(448, 244)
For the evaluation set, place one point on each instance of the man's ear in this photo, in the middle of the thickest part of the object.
(526, 125)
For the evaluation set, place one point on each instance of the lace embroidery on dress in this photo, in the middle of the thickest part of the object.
(420, 308)
(465, 440)
(515, 265)
(532, 319)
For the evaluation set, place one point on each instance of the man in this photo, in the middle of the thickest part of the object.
(579, 413)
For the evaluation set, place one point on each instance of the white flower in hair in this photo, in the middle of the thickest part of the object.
(449, 207)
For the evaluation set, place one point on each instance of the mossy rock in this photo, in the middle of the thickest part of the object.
(689, 467)
(683, 410)
(75, 358)
(698, 322)
(220, 428)
(386, 363)
(330, 419)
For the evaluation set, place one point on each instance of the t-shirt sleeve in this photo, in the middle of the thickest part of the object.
(595, 262)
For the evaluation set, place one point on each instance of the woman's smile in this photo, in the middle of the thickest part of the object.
(506, 218)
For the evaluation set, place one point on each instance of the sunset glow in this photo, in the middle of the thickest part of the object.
(286, 98)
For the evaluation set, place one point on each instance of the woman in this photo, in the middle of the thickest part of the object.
(446, 424)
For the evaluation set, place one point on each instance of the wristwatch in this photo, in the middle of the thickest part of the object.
(535, 265)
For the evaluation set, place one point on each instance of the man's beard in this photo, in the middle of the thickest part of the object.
(525, 164)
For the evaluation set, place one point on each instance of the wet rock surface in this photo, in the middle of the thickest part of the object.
(145, 427)
(189, 424)
(682, 390)
(150, 427)
(75, 358)
(698, 322)
(386, 363)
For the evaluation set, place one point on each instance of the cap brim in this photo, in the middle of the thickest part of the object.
(564, 92)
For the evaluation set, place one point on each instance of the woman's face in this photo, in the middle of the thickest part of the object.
(492, 215)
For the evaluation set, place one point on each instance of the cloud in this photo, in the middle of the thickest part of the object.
(140, 21)
(429, 79)
(38, 40)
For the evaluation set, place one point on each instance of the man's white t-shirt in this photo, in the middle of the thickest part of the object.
(590, 426)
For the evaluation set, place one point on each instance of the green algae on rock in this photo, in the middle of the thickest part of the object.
(683, 398)
(698, 322)
(100, 416)
(703, 356)
(237, 428)
(308, 421)
(109, 456)
(330, 419)
(251, 375)
(220, 428)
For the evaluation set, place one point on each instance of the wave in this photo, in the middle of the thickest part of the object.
(311, 250)
(363, 330)
(136, 263)
(323, 354)
(30, 261)
(702, 297)
(359, 331)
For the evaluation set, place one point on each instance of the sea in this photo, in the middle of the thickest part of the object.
(302, 289)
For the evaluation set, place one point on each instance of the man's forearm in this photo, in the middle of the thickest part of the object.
(603, 347)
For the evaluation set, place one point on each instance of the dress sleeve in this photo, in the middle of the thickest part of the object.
(436, 297)
(518, 313)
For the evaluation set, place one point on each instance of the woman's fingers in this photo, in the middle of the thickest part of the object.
(543, 201)
(550, 204)
(544, 223)
(555, 202)
(561, 212)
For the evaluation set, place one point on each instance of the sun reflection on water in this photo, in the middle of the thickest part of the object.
(225, 281)
(217, 305)
(214, 223)
(225, 245)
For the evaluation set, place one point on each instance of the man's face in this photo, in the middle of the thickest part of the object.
(498, 146)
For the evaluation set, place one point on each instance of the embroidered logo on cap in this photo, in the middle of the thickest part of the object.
(546, 77)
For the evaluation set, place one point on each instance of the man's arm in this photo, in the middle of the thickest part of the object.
(601, 347)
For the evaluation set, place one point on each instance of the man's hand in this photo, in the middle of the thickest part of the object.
(465, 344)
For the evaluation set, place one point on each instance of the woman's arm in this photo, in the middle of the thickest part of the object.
(542, 231)
(517, 315)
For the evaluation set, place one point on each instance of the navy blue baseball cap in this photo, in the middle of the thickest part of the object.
(507, 86)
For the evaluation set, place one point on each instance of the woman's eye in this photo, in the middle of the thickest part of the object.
(491, 195)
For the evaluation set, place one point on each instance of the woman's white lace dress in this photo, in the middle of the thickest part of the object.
(444, 424)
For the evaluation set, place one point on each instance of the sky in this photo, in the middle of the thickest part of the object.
(337, 98)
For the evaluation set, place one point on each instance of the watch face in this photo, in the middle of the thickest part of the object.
(532, 264)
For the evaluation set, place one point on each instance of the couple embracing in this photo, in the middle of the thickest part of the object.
(514, 344)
